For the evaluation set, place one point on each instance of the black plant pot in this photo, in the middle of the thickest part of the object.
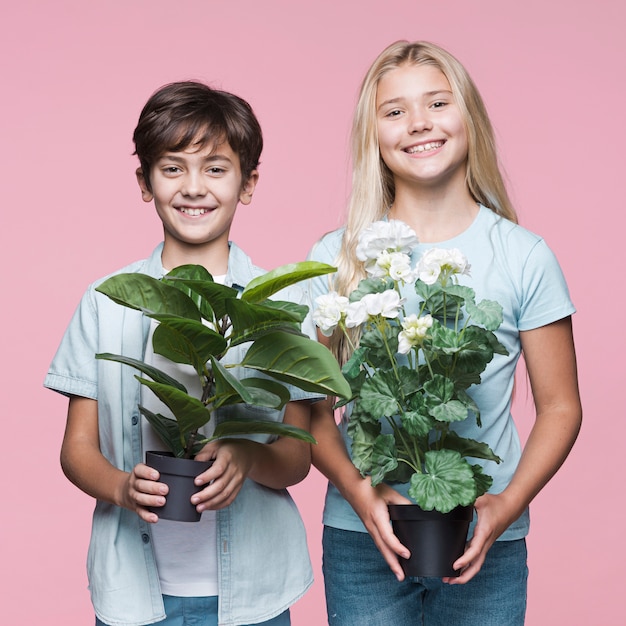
(436, 540)
(178, 474)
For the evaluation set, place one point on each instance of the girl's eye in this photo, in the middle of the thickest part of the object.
(439, 104)
(393, 113)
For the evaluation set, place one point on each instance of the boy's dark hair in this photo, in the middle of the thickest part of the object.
(189, 112)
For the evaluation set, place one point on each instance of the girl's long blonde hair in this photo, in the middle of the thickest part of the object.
(373, 188)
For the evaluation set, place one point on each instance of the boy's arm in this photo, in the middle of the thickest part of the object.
(277, 465)
(90, 471)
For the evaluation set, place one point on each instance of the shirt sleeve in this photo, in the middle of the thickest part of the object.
(73, 370)
(324, 251)
(546, 298)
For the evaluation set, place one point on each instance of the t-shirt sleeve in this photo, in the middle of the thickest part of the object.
(546, 298)
(323, 251)
(73, 370)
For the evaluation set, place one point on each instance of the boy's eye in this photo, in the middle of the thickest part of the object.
(216, 170)
(171, 169)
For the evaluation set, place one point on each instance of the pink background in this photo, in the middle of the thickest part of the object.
(74, 77)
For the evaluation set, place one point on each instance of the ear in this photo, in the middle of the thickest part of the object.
(245, 197)
(146, 194)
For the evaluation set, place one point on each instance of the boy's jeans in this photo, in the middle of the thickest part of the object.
(201, 612)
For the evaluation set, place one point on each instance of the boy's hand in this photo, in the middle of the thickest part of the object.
(142, 491)
(232, 461)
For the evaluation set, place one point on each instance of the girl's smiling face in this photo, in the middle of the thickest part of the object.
(421, 132)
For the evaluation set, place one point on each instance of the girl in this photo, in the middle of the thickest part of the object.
(424, 153)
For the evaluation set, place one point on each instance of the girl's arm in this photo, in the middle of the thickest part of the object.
(551, 364)
(331, 458)
(90, 471)
(277, 465)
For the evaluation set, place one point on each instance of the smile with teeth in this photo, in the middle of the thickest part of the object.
(193, 212)
(424, 147)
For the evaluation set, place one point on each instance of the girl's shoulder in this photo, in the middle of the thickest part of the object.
(327, 247)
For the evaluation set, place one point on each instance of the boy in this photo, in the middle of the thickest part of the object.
(199, 151)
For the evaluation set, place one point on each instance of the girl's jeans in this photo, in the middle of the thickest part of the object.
(200, 612)
(361, 589)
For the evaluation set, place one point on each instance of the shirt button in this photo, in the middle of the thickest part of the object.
(145, 538)
(135, 420)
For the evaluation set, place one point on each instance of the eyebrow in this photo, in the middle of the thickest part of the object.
(211, 158)
(428, 94)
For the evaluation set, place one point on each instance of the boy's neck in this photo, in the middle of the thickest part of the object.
(213, 257)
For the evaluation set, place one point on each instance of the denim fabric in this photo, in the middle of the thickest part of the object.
(201, 612)
(360, 588)
(263, 558)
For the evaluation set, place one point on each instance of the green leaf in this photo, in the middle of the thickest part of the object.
(190, 413)
(370, 285)
(243, 426)
(154, 373)
(447, 482)
(379, 395)
(416, 423)
(384, 458)
(487, 313)
(299, 361)
(352, 369)
(380, 343)
(363, 437)
(144, 293)
(439, 389)
(470, 448)
(483, 481)
(453, 411)
(166, 429)
(177, 278)
(256, 391)
(251, 321)
(186, 341)
(262, 287)
(215, 294)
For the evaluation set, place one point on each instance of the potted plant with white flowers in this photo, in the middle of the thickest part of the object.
(199, 322)
(410, 372)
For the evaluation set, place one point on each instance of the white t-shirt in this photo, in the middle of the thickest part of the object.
(185, 552)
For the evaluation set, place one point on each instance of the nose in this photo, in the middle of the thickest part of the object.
(419, 121)
(194, 184)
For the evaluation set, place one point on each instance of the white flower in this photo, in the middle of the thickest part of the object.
(396, 265)
(330, 308)
(392, 235)
(436, 261)
(386, 304)
(356, 314)
(400, 268)
(414, 330)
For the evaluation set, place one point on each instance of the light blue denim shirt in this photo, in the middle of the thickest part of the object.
(263, 560)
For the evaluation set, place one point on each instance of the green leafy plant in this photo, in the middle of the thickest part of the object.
(410, 373)
(199, 322)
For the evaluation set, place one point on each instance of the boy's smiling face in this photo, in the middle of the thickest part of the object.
(196, 192)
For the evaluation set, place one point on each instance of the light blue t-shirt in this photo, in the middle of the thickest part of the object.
(516, 268)
(263, 559)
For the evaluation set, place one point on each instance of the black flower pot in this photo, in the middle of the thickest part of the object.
(436, 540)
(178, 474)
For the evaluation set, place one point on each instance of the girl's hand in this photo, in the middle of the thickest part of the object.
(494, 517)
(232, 462)
(142, 490)
(370, 504)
